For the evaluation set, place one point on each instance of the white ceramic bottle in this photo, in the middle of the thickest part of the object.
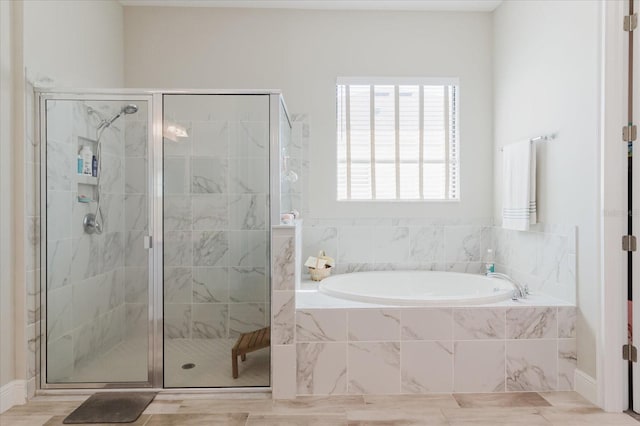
(87, 157)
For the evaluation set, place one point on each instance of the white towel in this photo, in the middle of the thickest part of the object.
(519, 185)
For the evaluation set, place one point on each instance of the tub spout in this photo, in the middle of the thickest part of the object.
(519, 292)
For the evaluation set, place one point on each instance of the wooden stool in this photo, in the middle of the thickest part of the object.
(249, 342)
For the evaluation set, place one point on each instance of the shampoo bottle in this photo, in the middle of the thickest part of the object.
(94, 166)
(80, 168)
(87, 158)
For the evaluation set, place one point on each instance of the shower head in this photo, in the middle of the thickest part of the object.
(130, 109)
(126, 109)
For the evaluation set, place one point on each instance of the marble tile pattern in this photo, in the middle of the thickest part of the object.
(527, 408)
(479, 323)
(283, 270)
(283, 325)
(433, 350)
(216, 224)
(532, 323)
(136, 225)
(86, 274)
(532, 365)
(323, 368)
(286, 262)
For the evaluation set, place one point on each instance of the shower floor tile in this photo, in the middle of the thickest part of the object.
(212, 358)
(125, 362)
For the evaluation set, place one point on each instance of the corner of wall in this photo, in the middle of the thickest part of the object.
(13, 393)
(7, 335)
(586, 386)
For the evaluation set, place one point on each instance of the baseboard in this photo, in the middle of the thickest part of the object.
(13, 393)
(586, 386)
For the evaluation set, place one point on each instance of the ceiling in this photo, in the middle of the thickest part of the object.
(425, 5)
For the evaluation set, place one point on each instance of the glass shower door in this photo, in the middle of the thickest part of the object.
(95, 217)
(216, 233)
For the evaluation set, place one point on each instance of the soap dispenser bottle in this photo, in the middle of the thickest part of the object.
(489, 266)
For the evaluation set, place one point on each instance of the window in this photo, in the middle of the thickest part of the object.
(397, 139)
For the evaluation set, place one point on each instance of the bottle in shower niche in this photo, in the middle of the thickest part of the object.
(489, 265)
(80, 168)
(87, 160)
(94, 166)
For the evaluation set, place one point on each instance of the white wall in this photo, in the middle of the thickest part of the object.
(7, 362)
(302, 53)
(546, 79)
(76, 43)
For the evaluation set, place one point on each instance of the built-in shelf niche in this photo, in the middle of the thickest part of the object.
(86, 185)
(87, 180)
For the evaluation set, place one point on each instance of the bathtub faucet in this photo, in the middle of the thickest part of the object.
(519, 291)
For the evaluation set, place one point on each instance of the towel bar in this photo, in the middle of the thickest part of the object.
(543, 138)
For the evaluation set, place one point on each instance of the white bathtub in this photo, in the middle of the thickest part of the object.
(417, 288)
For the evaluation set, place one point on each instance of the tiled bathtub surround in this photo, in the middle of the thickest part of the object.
(388, 244)
(427, 350)
(394, 350)
(544, 258)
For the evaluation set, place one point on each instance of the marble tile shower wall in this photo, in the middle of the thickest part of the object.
(215, 228)
(85, 273)
(136, 224)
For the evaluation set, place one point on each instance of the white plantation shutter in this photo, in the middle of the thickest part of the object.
(397, 139)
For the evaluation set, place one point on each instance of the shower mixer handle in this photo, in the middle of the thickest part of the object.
(91, 225)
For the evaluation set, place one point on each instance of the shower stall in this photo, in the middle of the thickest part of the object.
(156, 258)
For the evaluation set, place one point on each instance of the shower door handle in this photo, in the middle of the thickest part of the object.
(148, 242)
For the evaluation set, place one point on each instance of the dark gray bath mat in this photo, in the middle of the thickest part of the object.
(111, 407)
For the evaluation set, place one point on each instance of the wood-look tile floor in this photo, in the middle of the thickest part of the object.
(547, 408)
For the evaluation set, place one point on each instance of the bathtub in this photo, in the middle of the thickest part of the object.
(417, 288)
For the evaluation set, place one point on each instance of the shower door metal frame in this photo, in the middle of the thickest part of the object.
(155, 157)
(152, 155)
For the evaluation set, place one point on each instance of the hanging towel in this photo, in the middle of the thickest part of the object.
(519, 185)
